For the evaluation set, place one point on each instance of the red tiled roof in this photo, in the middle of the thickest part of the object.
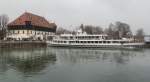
(35, 21)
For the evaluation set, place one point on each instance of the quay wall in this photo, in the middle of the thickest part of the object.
(22, 44)
(147, 44)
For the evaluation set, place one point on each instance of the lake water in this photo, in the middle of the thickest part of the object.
(74, 65)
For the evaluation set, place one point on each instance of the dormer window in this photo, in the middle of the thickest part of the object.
(28, 23)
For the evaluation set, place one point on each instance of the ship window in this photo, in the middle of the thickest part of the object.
(115, 42)
(96, 41)
(71, 37)
(102, 37)
(100, 41)
(108, 41)
(104, 41)
(82, 42)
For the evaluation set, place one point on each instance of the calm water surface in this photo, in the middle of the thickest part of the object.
(74, 65)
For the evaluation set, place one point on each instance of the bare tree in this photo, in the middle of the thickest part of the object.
(89, 29)
(123, 29)
(3, 21)
(82, 27)
(61, 30)
(140, 34)
(3, 25)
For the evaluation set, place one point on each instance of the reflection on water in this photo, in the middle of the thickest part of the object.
(73, 65)
(26, 61)
(91, 55)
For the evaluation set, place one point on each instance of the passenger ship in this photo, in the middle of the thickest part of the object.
(84, 40)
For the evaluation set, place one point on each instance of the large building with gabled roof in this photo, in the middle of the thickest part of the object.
(30, 27)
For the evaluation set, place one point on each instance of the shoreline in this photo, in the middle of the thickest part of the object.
(22, 44)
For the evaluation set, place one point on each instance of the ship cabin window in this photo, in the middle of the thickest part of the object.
(106, 38)
(108, 41)
(102, 37)
(125, 42)
(83, 37)
(115, 42)
(80, 37)
(100, 41)
(85, 41)
(97, 37)
(104, 41)
(64, 37)
(93, 37)
(76, 37)
(71, 37)
(96, 41)
(70, 41)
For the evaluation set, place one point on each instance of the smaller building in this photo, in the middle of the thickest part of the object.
(147, 39)
(30, 27)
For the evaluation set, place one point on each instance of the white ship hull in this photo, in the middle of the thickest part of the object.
(79, 45)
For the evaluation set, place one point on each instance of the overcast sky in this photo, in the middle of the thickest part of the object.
(71, 13)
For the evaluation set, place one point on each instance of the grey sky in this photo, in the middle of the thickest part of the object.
(68, 13)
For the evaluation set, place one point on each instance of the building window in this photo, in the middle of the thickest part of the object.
(28, 24)
(27, 31)
(23, 32)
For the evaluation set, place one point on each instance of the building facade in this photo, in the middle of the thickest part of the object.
(30, 27)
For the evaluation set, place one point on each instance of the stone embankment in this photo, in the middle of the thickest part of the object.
(22, 44)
